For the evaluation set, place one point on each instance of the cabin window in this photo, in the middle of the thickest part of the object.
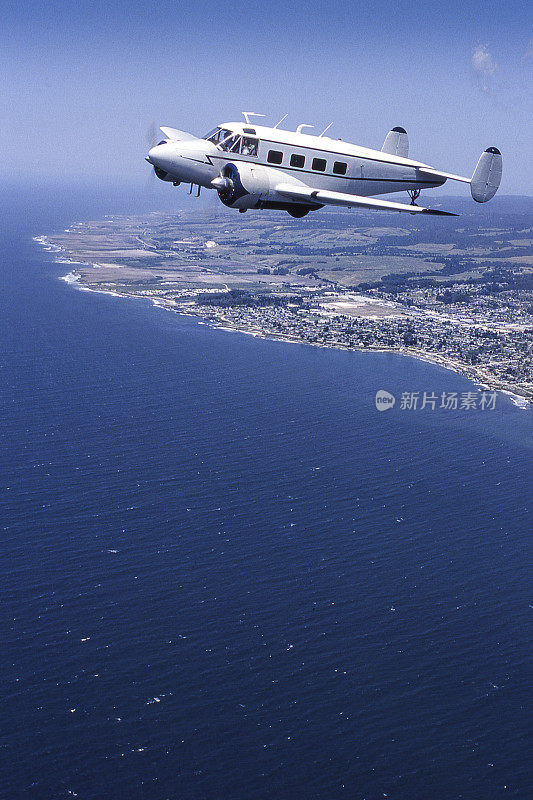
(233, 143)
(249, 130)
(249, 146)
(274, 157)
(340, 167)
(319, 164)
(297, 160)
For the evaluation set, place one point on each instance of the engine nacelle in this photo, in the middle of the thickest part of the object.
(253, 186)
(247, 186)
(162, 175)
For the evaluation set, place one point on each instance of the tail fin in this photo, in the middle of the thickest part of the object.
(396, 143)
(487, 175)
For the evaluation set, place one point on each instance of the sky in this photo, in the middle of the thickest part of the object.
(83, 82)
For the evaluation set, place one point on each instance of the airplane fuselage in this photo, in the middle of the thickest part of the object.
(260, 158)
(253, 166)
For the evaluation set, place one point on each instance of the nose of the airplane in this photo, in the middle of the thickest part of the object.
(158, 155)
(184, 161)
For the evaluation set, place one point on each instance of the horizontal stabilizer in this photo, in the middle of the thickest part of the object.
(396, 143)
(487, 175)
(325, 197)
(446, 175)
(178, 136)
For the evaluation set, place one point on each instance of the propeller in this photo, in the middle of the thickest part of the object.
(222, 184)
(150, 136)
(153, 137)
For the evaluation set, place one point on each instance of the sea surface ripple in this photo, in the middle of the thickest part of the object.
(226, 575)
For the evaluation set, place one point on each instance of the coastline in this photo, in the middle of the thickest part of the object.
(481, 379)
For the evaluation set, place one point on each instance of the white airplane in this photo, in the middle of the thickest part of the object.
(256, 167)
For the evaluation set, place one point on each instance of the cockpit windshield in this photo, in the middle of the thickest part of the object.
(231, 142)
(214, 135)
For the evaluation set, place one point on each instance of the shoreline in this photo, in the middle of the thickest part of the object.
(482, 381)
(485, 382)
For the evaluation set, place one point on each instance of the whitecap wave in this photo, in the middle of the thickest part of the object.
(71, 277)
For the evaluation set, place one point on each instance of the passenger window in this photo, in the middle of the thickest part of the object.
(319, 164)
(249, 146)
(274, 157)
(297, 160)
(339, 168)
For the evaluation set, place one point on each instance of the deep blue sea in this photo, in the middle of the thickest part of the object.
(226, 575)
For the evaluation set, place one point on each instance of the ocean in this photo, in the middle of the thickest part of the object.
(226, 575)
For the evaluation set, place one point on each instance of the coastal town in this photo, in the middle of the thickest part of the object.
(499, 355)
(461, 297)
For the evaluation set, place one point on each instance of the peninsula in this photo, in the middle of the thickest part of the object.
(457, 292)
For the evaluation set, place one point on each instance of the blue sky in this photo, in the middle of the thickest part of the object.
(82, 82)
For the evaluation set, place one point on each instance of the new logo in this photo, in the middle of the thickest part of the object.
(384, 400)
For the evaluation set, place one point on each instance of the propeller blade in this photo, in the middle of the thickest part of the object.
(151, 134)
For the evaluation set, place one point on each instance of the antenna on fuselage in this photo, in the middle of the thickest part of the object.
(303, 125)
(281, 120)
(326, 129)
(247, 114)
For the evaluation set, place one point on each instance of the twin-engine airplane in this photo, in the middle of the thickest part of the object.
(252, 166)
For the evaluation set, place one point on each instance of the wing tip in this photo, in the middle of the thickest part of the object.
(438, 213)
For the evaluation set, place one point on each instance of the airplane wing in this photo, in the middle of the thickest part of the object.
(324, 197)
(177, 136)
